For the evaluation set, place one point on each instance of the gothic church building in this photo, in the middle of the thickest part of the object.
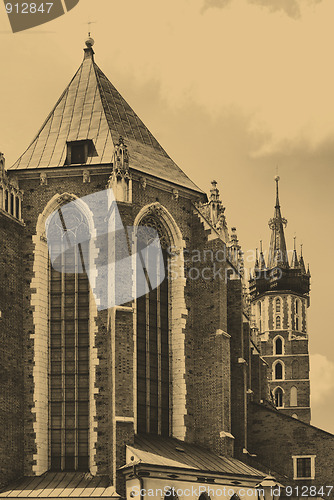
(180, 388)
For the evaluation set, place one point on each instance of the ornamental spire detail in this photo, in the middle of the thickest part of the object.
(278, 256)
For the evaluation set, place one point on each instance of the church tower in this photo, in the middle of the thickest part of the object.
(279, 290)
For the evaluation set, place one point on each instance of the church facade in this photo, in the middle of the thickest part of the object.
(111, 389)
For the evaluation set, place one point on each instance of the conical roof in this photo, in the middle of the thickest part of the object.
(92, 109)
(278, 256)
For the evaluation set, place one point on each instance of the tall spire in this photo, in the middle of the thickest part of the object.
(294, 261)
(262, 262)
(301, 260)
(277, 251)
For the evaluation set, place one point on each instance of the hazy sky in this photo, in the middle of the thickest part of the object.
(231, 89)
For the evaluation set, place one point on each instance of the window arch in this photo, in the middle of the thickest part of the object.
(278, 370)
(40, 300)
(278, 346)
(293, 396)
(297, 314)
(278, 305)
(153, 311)
(69, 293)
(278, 322)
(177, 315)
(278, 397)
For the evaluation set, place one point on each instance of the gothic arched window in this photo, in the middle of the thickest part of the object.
(278, 305)
(278, 370)
(293, 396)
(69, 344)
(297, 314)
(278, 346)
(153, 378)
(278, 397)
(278, 322)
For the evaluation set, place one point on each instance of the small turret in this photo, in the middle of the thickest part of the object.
(294, 261)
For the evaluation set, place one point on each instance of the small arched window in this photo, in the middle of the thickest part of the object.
(278, 322)
(278, 346)
(293, 396)
(278, 397)
(278, 305)
(278, 371)
(297, 306)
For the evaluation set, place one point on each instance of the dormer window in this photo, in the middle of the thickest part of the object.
(79, 151)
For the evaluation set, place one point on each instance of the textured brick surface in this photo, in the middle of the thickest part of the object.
(11, 373)
(275, 437)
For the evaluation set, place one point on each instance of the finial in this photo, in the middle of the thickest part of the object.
(301, 250)
(89, 42)
(277, 179)
(261, 246)
(294, 242)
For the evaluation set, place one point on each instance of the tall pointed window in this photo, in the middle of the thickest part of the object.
(153, 379)
(278, 371)
(297, 314)
(69, 348)
(278, 397)
(278, 322)
(278, 305)
(278, 346)
(293, 396)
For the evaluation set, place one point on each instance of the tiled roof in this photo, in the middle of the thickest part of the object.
(92, 108)
(61, 485)
(160, 451)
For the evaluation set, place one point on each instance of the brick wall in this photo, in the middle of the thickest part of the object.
(207, 343)
(238, 370)
(11, 372)
(275, 437)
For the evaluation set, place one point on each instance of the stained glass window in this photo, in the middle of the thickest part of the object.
(69, 351)
(153, 346)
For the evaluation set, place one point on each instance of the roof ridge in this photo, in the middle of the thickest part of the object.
(47, 118)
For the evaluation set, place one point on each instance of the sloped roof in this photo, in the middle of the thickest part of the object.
(61, 485)
(165, 451)
(92, 108)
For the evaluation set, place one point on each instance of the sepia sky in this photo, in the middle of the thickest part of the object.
(234, 90)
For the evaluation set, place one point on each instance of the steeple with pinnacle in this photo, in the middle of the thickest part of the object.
(279, 295)
(277, 251)
(278, 273)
